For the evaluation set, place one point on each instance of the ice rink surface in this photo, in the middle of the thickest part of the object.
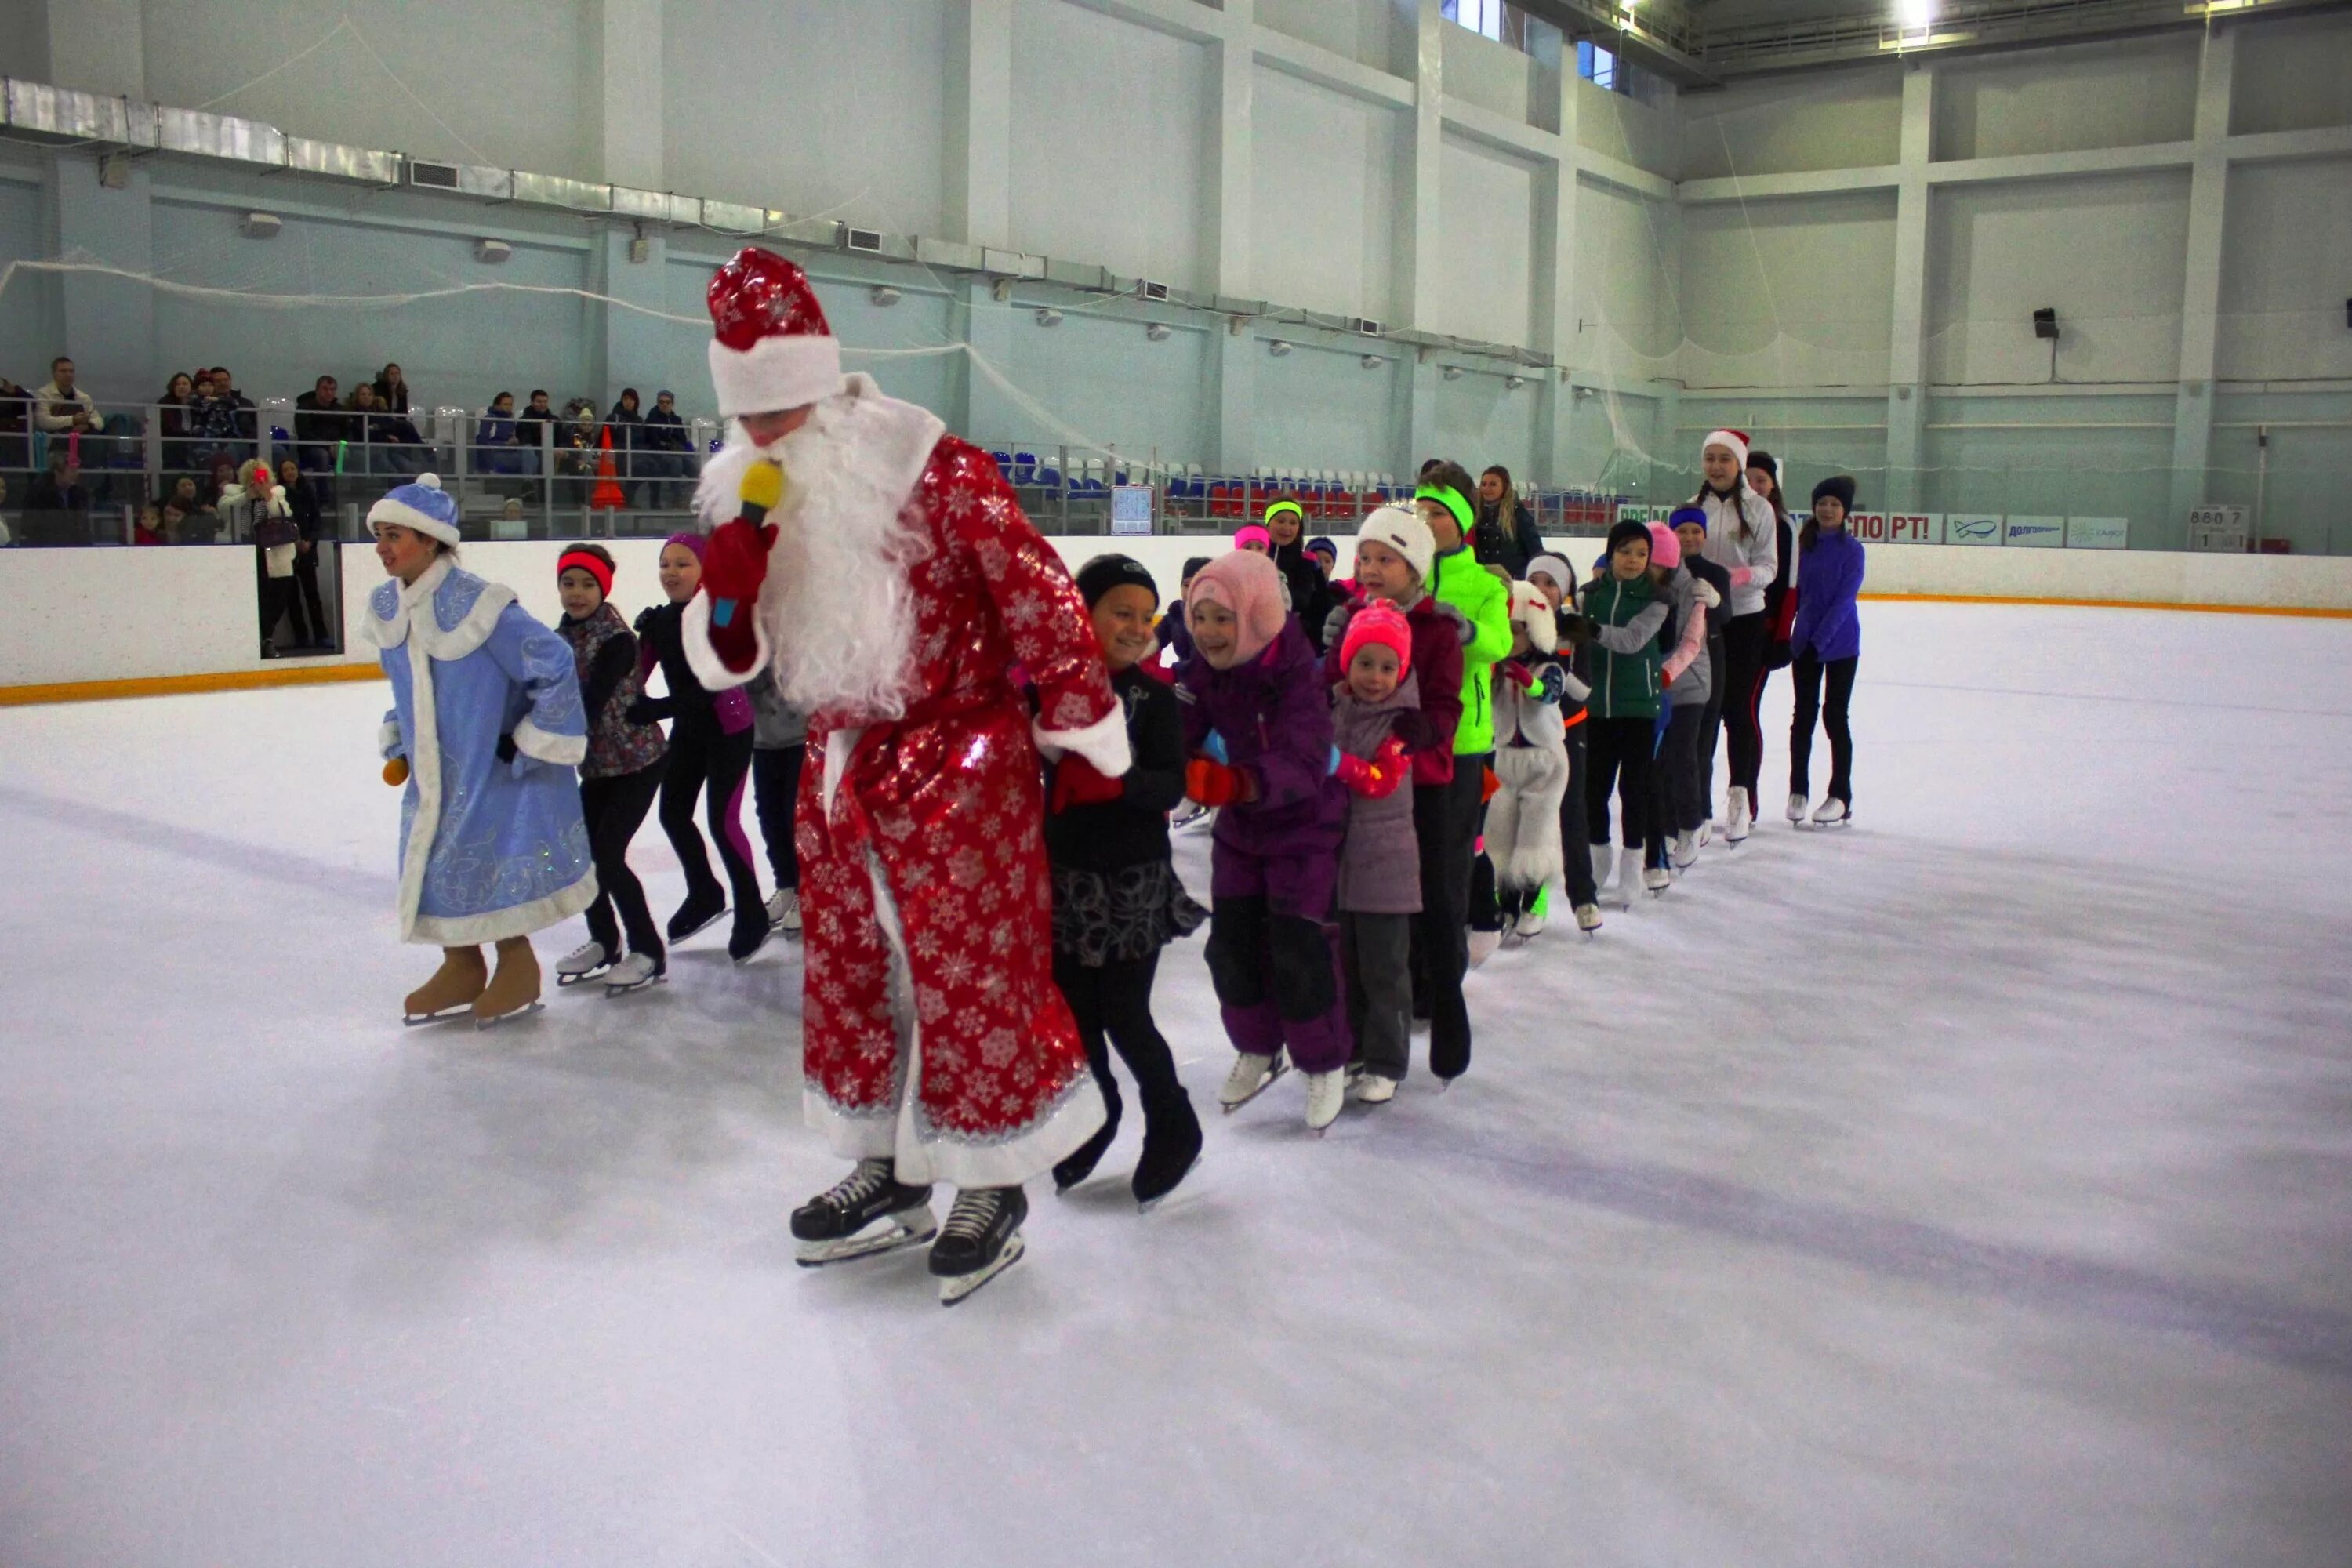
(1971, 1186)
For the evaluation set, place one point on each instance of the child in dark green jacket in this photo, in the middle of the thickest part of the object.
(1626, 616)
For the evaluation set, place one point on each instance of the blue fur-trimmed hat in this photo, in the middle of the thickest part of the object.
(422, 505)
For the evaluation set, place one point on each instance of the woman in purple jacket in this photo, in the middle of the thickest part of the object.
(1258, 725)
(1827, 637)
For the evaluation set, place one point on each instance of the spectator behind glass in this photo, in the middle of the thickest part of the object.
(175, 524)
(536, 415)
(627, 423)
(171, 415)
(663, 445)
(224, 474)
(321, 422)
(212, 420)
(7, 536)
(60, 407)
(494, 438)
(149, 529)
(393, 447)
(15, 425)
(57, 507)
(247, 424)
(310, 523)
(392, 389)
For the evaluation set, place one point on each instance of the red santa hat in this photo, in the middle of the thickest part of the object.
(1734, 441)
(771, 348)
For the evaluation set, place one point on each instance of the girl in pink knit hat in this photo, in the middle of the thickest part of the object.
(1258, 725)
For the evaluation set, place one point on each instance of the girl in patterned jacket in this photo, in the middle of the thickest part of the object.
(618, 780)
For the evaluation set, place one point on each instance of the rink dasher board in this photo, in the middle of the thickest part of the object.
(1962, 528)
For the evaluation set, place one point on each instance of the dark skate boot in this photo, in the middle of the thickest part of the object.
(869, 1211)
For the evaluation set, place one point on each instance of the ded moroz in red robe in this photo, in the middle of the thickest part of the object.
(932, 1032)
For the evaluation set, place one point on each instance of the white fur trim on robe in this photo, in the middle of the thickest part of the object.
(1103, 742)
(561, 750)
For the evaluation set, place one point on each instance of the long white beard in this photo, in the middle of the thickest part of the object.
(839, 604)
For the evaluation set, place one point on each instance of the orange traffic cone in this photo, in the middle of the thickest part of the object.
(606, 496)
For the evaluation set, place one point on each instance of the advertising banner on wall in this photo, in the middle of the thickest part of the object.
(1971, 528)
(2040, 532)
(1640, 511)
(1897, 527)
(2098, 532)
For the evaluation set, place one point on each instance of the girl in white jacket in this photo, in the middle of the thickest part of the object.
(1742, 538)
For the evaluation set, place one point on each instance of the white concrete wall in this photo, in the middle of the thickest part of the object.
(109, 615)
(2126, 92)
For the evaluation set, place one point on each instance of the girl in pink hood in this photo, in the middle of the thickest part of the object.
(1258, 725)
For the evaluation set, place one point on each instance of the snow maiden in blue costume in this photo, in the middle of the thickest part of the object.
(486, 727)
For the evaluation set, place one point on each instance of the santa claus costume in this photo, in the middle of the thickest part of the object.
(883, 571)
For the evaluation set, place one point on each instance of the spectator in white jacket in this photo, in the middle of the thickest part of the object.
(1742, 538)
(60, 408)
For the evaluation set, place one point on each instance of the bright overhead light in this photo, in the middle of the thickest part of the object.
(1916, 12)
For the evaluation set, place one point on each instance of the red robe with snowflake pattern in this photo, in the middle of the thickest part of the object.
(949, 801)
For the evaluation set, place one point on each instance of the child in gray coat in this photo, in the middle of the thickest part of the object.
(1375, 720)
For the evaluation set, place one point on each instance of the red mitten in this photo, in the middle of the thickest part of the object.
(1378, 778)
(734, 566)
(1214, 783)
(1489, 786)
(1078, 781)
(1512, 670)
(1665, 678)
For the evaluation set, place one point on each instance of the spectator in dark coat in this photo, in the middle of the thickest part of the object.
(57, 507)
(321, 424)
(172, 419)
(1505, 536)
(392, 389)
(310, 521)
(627, 424)
(663, 449)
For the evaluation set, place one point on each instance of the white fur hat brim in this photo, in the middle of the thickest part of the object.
(775, 373)
(392, 509)
(1728, 439)
(1404, 533)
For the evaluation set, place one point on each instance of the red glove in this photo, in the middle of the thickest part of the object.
(1078, 781)
(1378, 778)
(1665, 678)
(734, 565)
(1214, 783)
(1511, 668)
(1489, 786)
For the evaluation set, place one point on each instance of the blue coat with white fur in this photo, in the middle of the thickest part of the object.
(488, 849)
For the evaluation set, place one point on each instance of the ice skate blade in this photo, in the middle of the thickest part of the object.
(897, 1237)
(415, 1020)
(650, 980)
(1145, 1205)
(522, 1012)
(566, 982)
(962, 1287)
(1281, 1066)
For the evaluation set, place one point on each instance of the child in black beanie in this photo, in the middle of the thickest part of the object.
(1116, 899)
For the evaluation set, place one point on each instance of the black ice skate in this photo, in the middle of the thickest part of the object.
(869, 1211)
(981, 1241)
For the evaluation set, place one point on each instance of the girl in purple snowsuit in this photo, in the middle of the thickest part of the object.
(1258, 725)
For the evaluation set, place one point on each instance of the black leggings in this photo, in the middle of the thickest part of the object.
(1113, 1006)
(1575, 833)
(1619, 752)
(615, 808)
(1678, 793)
(1744, 641)
(713, 768)
(1445, 827)
(775, 784)
(1808, 676)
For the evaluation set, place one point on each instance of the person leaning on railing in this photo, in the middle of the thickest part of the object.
(495, 451)
(57, 506)
(664, 445)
